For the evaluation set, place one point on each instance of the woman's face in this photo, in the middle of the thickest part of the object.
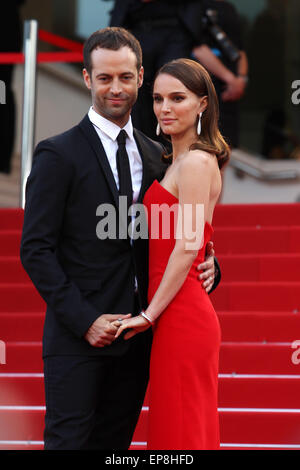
(176, 107)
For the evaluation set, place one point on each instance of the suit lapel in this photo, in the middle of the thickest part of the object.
(88, 129)
(149, 166)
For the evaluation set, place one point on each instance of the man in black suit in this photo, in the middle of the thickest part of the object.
(94, 384)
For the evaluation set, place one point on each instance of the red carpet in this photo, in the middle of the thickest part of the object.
(258, 304)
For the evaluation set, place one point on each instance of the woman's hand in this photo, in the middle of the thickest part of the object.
(136, 324)
(208, 268)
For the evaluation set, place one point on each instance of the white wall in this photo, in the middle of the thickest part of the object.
(92, 15)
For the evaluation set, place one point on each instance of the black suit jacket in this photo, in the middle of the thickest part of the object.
(79, 275)
(188, 12)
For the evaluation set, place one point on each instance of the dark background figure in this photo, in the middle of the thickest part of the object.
(228, 19)
(167, 30)
(278, 141)
(274, 137)
(267, 53)
(10, 41)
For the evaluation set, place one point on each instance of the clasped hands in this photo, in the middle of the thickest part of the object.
(108, 327)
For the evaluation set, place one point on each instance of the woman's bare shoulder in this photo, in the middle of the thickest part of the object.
(197, 160)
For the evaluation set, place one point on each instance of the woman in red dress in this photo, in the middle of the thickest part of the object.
(184, 362)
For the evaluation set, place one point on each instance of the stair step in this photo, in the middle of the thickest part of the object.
(21, 424)
(12, 271)
(20, 298)
(240, 358)
(21, 326)
(245, 446)
(253, 296)
(244, 391)
(230, 215)
(23, 357)
(11, 219)
(235, 326)
(274, 239)
(235, 267)
(260, 426)
(230, 296)
(257, 239)
(259, 326)
(260, 267)
(38, 445)
(10, 242)
(259, 391)
(242, 267)
(21, 445)
(259, 358)
(255, 426)
(22, 389)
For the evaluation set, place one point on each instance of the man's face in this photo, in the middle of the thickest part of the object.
(114, 83)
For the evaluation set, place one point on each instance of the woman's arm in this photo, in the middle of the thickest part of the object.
(194, 189)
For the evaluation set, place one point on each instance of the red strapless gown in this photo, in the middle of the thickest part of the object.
(184, 362)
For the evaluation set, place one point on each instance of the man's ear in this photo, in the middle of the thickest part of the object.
(86, 78)
(141, 77)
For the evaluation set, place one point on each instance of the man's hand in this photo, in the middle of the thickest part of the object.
(102, 332)
(208, 268)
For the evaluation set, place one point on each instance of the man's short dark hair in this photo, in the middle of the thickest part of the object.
(112, 38)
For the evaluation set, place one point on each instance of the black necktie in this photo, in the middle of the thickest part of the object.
(125, 184)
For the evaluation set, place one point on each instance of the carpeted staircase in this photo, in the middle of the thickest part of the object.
(258, 303)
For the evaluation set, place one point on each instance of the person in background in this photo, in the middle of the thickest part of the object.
(167, 30)
(233, 57)
(10, 41)
(268, 88)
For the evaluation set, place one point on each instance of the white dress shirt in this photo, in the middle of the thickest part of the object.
(108, 133)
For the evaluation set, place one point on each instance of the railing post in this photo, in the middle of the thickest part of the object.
(29, 102)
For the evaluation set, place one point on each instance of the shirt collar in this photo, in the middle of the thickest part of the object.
(109, 128)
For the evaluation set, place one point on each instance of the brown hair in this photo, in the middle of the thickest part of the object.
(111, 38)
(196, 78)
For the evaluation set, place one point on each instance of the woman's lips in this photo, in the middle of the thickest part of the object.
(167, 121)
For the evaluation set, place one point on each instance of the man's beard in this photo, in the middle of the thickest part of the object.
(116, 112)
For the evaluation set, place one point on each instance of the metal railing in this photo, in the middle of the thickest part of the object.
(265, 170)
(29, 102)
(72, 52)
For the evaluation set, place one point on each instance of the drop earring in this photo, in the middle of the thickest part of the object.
(158, 129)
(199, 125)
